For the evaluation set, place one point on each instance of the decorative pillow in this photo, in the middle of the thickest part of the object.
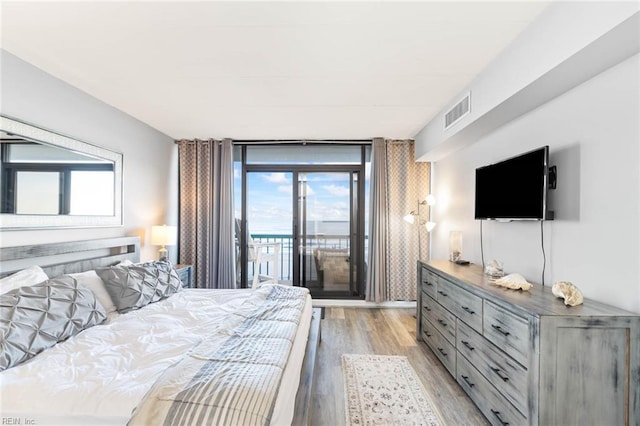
(134, 286)
(93, 282)
(34, 318)
(26, 277)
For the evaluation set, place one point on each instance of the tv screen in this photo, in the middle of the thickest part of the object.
(513, 189)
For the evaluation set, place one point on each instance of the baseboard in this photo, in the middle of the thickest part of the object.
(347, 303)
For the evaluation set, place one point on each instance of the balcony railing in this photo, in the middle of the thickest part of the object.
(318, 241)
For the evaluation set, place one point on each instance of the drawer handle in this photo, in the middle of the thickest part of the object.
(497, 414)
(466, 379)
(428, 309)
(497, 327)
(442, 293)
(497, 371)
(442, 352)
(444, 324)
(468, 310)
(428, 283)
(427, 334)
(464, 342)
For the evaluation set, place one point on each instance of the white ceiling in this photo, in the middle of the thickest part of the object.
(268, 70)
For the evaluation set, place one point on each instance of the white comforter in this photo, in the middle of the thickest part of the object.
(99, 376)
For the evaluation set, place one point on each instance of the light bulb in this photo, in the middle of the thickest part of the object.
(431, 200)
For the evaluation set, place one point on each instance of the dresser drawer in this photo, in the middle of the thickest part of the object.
(492, 404)
(507, 331)
(429, 282)
(444, 350)
(464, 305)
(509, 377)
(442, 319)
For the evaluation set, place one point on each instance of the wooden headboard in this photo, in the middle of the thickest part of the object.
(70, 257)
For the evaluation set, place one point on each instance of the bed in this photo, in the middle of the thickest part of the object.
(193, 357)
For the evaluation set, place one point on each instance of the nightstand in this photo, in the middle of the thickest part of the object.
(185, 272)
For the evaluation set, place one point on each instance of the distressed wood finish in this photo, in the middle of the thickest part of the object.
(491, 402)
(70, 257)
(444, 321)
(593, 360)
(509, 377)
(535, 361)
(445, 351)
(185, 272)
(463, 304)
(537, 302)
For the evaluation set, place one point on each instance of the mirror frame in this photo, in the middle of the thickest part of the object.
(37, 134)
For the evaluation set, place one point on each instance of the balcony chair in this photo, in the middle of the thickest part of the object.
(259, 253)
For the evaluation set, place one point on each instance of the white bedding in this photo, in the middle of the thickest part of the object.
(99, 376)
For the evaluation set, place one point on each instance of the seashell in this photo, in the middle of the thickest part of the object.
(570, 293)
(514, 282)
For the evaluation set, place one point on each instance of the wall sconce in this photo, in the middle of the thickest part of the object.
(164, 236)
(411, 218)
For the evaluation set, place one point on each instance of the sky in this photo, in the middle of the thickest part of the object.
(269, 200)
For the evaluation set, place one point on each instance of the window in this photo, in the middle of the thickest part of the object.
(39, 179)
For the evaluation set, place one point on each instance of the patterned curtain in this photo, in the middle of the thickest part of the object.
(398, 184)
(206, 211)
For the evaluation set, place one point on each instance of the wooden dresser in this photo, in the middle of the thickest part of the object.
(526, 358)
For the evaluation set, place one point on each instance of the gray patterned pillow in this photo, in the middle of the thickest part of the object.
(134, 286)
(34, 318)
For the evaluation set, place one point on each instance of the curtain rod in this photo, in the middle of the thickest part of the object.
(300, 141)
(294, 141)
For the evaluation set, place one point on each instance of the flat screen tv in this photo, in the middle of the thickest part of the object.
(514, 189)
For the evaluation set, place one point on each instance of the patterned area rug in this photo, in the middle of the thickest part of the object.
(384, 390)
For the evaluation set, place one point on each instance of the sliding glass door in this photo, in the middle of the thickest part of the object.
(327, 232)
(307, 218)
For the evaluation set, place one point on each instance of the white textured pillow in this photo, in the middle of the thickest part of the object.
(27, 277)
(93, 282)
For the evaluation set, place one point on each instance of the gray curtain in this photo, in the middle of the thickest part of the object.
(376, 286)
(398, 184)
(207, 238)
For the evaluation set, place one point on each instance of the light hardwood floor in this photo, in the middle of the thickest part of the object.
(385, 332)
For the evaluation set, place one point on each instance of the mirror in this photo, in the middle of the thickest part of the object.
(48, 180)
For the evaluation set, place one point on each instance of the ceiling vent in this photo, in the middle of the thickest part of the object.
(458, 111)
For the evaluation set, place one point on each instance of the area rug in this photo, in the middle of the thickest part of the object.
(384, 390)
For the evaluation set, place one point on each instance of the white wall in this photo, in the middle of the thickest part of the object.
(567, 44)
(594, 137)
(150, 157)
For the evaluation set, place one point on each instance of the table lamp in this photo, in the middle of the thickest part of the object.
(163, 235)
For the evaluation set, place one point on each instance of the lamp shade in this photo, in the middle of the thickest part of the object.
(431, 200)
(430, 226)
(164, 235)
(409, 218)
